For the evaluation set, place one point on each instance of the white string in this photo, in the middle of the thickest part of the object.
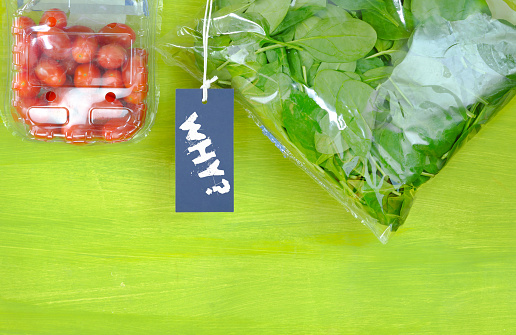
(206, 84)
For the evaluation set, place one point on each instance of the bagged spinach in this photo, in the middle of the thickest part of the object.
(370, 97)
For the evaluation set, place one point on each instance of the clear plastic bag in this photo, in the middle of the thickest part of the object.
(371, 98)
(82, 71)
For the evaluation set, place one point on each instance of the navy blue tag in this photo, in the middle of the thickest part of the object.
(204, 151)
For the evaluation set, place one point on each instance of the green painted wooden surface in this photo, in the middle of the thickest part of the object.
(90, 243)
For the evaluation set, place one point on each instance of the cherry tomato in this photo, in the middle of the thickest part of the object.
(76, 31)
(70, 65)
(26, 84)
(87, 75)
(136, 97)
(54, 43)
(134, 73)
(112, 56)
(54, 18)
(50, 72)
(26, 53)
(84, 49)
(113, 78)
(117, 33)
(21, 23)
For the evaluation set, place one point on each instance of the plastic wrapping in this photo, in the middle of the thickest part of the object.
(371, 98)
(82, 71)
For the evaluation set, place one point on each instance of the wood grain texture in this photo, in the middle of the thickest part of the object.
(90, 243)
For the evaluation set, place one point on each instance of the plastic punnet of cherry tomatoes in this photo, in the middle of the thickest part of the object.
(52, 58)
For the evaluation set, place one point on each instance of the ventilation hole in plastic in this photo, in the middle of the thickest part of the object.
(110, 97)
(51, 21)
(50, 96)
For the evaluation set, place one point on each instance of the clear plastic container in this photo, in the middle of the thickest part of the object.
(371, 98)
(82, 71)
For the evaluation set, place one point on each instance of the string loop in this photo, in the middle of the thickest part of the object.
(206, 84)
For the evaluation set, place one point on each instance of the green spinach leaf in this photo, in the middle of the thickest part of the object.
(324, 39)
(385, 27)
(300, 118)
(374, 5)
(274, 11)
(450, 10)
(296, 16)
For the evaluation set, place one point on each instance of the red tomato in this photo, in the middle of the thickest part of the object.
(69, 64)
(26, 53)
(21, 23)
(26, 84)
(84, 49)
(113, 78)
(136, 97)
(54, 43)
(76, 31)
(54, 18)
(112, 56)
(117, 33)
(87, 75)
(134, 73)
(50, 72)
